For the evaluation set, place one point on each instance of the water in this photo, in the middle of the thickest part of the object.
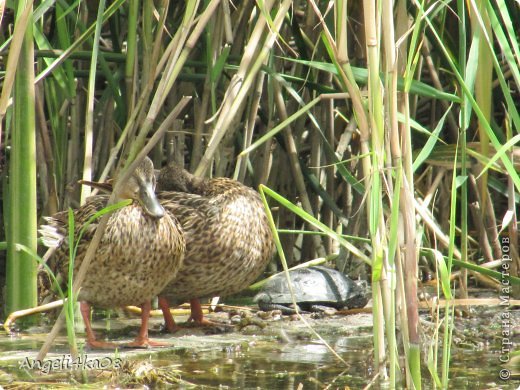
(284, 355)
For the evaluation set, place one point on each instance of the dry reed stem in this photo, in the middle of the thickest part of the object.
(242, 82)
(432, 189)
(240, 170)
(430, 223)
(432, 70)
(292, 153)
(51, 205)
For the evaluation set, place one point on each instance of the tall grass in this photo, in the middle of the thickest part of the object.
(21, 196)
(394, 122)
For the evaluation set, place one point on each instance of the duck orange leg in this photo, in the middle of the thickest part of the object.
(91, 337)
(169, 322)
(197, 315)
(142, 339)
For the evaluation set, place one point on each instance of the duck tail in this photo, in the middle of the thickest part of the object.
(50, 234)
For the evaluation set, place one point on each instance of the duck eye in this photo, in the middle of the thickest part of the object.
(143, 195)
(134, 188)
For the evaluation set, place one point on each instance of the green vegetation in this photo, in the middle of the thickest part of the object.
(21, 196)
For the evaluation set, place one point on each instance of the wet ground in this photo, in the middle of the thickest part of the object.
(273, 353)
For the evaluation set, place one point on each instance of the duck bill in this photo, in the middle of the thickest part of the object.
(149, 201)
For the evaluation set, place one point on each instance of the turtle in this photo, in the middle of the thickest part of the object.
(314, 288)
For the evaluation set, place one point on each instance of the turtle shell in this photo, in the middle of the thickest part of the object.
(317, 285)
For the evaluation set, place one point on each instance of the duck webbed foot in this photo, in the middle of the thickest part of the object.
(198, 320)
(197, 316)
(169, 322)
(92, 342)
(142, 340)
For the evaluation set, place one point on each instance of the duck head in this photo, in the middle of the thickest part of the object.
(141, 187)
(174, 177)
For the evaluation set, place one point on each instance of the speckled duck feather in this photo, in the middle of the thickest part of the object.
(228, 239)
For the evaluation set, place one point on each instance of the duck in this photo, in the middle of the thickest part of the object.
(141, 250)
(229, 241)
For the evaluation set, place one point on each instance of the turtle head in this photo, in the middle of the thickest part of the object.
(360, 295)
(141, 187)
(264, 301)
(262, 297)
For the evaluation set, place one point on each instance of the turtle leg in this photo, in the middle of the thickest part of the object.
(324, 309)
(265, 306)
(142, 340)
(91, 337)
(169, 322)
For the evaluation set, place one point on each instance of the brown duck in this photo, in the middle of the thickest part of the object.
(141, 250)
(228, 239)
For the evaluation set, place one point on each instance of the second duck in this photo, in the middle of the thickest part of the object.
(228, 239)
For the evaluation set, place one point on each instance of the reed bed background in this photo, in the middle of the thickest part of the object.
(383, 131)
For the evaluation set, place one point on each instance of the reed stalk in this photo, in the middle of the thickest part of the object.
(253, 60)
(131, 63)
(22, 213)
(483, 80)
(394, 235)
(380, 267)
(89, 120)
